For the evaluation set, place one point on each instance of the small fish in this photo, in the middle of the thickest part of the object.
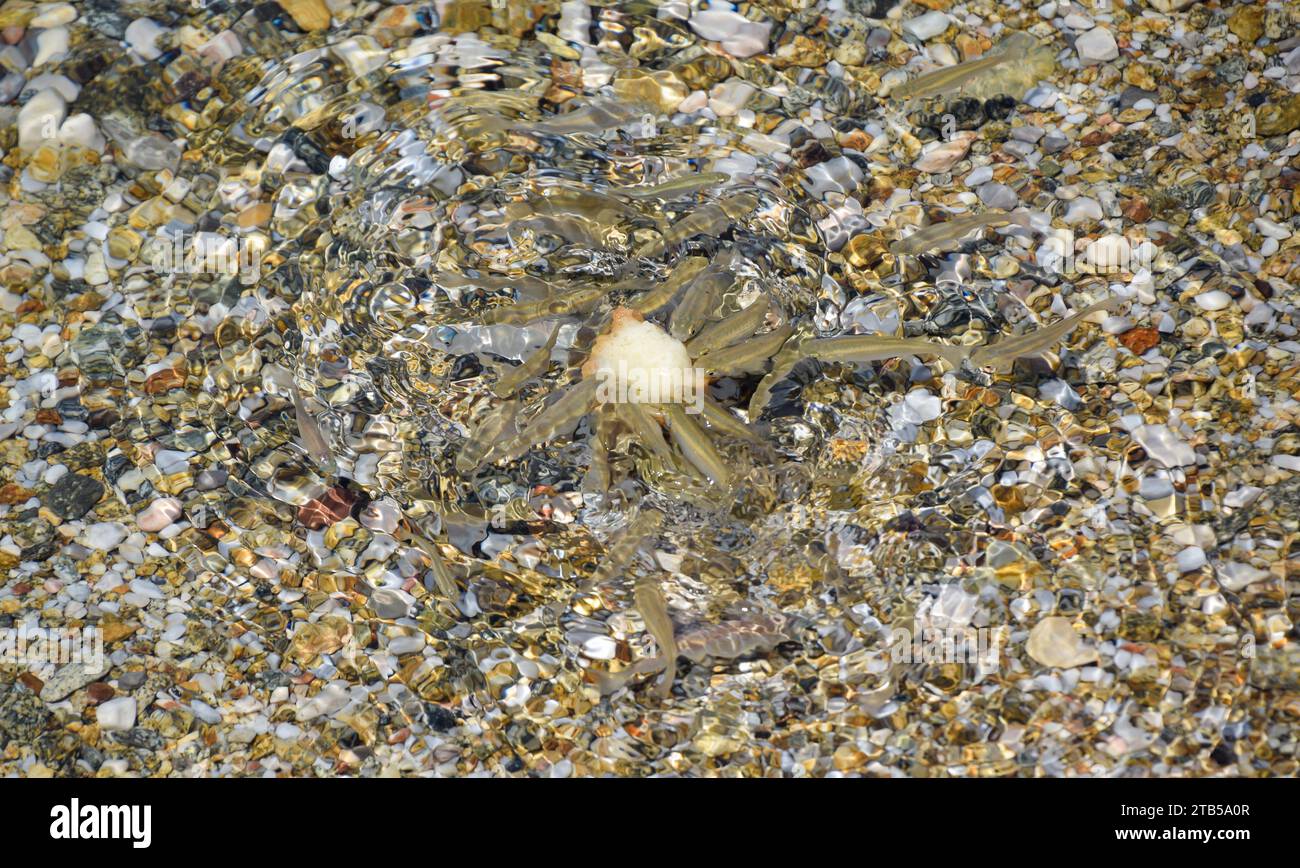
(782, 364)
(441, 573)
(596, 116)
(572, 228)
(712, 220)
(642, 526)
(558, 200)
(477, 449)
(598, 479)
(726, 640)
(313, 439)
(575, 403)
(946, 236)
(720, 419)
(700, 301)
(859, 349)
(611, 683)
(1015, 64)
(654, 611)
(682, 274)
(513, 379)
(696, 446)
(724, 333)
(442, 578)
(644, 428)
(524, 312)
(747, 356)
(1037, 341)
(577, 216)
(733, 638)
(679, 186)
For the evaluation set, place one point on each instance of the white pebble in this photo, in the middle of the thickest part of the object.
(1190, 559)
(53, 15)
(728, 98)
(942, 157)
(1083, 210)
(39, 120)
(142, 35)
(1164, 446)
(926, 26)
(599, 648)
(1215, 299)
(159, 514)
(104, 535)
(51, 45)
(1286, 462)
(116, 714)
(79, 130)
(1096, 46)
(738, 35)
(1235, 575)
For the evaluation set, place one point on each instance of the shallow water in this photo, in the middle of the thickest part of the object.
(357, 510)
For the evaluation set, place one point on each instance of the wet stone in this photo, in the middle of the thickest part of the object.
(73, 495)
(35, 538)
(22, 715)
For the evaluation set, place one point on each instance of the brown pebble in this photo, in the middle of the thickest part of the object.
(1140, 340)
(334, 505)
(1136, 209)
(164, 381)
(100, 692)
(12, 493)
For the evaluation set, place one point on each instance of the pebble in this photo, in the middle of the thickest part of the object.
(1096, 46)
(142, 36)
(73, 495)
(600, 648)
(1190, 559)
(920, 406)
(1215, 299)
(53, 15)
(945, 155)
(51, 45)
(1164, 446)
(390, 603)
(160, 513)
(739, 36)
(926, 25)
(1054, 642)
(1083, 210)
(71, 678)
(103, 536)
(79, 131)
(116, 715)
(39, 120)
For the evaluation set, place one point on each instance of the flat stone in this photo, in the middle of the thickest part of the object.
(73, 496)
(68, 680)
(1164, 446)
